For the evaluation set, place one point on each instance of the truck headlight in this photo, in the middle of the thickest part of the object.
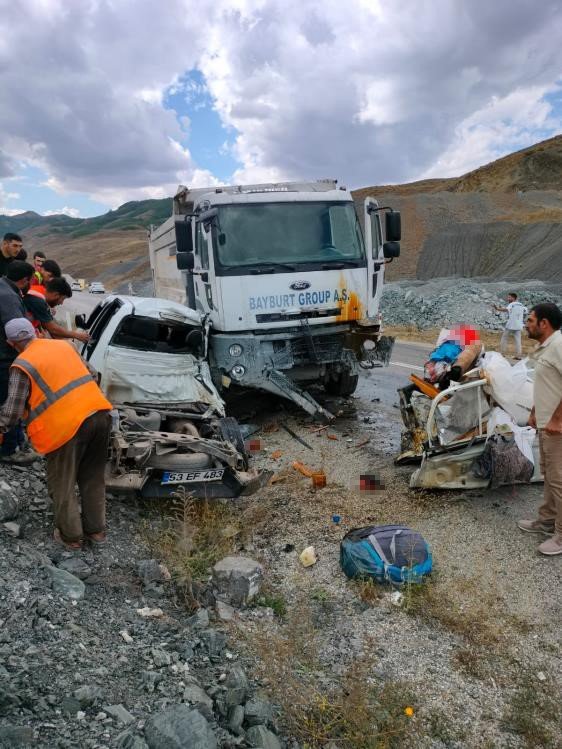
(235, 350)
(237, 372)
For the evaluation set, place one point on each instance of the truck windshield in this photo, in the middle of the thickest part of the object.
(281, 236)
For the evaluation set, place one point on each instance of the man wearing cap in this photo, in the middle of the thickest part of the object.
(68, 421)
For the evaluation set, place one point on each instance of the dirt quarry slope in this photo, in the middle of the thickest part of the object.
(501, 221)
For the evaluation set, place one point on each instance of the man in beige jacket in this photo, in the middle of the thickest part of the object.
(543, 325)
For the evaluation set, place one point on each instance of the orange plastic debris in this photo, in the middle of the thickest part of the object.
(332, 436)
(426, 387)
(319, 480)
(276, 454)
(301, 468)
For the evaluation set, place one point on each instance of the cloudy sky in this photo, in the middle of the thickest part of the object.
(104, 101)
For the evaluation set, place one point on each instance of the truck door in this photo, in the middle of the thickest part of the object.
(375, 258)
(204, 301)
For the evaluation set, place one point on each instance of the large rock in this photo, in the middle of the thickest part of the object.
(262, 737)
(258, 712)
(76, 567)
(9, 505)
(65, 584)
(237, 579)
(236, 687)
(12, 736)
(179, 727)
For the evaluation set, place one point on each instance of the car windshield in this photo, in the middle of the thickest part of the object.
(318, 234)
(149, 334)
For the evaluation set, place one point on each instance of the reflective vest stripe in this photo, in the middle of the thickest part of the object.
(51, 396)
(39, 381)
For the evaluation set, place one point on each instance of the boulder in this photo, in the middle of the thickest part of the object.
(9, 505)
(179, 727)
(258, 712)
(66, 584)
(262, 737)
(236, 684)
(237, 579)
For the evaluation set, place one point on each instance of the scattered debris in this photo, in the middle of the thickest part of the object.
(295, 436)
(149, 613)
(276, 454)
(302, 468)
(308, 556)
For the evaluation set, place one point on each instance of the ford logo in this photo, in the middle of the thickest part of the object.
(299, 285)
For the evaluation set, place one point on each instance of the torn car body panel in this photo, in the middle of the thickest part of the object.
(132, 377)
(449, 430)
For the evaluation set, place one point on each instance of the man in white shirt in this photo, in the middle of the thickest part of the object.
(516, 313)
(543, 326)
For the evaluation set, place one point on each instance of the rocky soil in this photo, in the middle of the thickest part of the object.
(98, 648)
(442, 302)
(103, 649)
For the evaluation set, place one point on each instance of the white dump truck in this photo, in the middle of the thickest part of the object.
(288, 277)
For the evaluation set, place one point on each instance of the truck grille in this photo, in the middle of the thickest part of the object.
(304, 350)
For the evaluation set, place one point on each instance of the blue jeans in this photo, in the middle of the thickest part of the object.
(14, 435)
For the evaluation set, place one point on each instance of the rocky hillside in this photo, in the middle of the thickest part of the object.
(502, 221)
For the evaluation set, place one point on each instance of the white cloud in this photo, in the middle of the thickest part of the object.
(5, 197)
(365, 91)
(66, 211)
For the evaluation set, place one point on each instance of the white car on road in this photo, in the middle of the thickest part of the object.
(96, 287)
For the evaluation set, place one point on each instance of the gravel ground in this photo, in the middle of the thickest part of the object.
(87, 669)
(484, 630)
(475, 652)
(446, 301)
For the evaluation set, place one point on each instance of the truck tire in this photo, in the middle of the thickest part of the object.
(344, 384)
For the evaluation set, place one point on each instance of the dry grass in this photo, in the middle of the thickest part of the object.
(465, 608)
(352, 710)
(534, 711)
(193, 536)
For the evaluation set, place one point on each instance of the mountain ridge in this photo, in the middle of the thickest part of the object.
(514, 201)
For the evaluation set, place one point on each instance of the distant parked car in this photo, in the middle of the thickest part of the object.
(75, 286)
(96, 287)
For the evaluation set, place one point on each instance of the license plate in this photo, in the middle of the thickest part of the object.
(187, 477)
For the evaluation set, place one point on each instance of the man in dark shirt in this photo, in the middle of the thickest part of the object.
(39, 306)
(16, 282)
(12, 245)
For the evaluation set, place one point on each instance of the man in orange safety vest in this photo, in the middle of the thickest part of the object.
(68, 421)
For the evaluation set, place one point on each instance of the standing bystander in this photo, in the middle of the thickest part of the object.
(12, 287)
(12, 245)
(543, 325)
(68, 420)
(515, 323)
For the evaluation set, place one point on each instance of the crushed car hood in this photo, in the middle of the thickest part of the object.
(132, 376)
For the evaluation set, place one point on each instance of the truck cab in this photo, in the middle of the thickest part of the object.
(288, 276)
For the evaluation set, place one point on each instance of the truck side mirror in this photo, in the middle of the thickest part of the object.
(80, 322)
(393, 226)
(391, 250)
(185, 260)
(184, 237)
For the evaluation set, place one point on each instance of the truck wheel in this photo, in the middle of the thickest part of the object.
(344, 384)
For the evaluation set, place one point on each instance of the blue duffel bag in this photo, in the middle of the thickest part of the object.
(385, 552)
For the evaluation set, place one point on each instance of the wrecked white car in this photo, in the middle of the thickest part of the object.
(473, 433)
(170, 428)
